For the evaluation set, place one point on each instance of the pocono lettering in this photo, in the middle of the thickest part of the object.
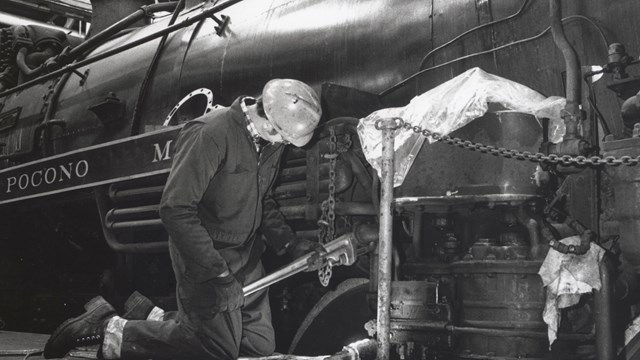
(62, 172)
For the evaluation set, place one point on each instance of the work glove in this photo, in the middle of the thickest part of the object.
(216, 295)
(301, 247)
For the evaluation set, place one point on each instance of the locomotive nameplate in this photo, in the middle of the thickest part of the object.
(134, 157)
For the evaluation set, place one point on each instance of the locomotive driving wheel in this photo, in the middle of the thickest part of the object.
(337, 320)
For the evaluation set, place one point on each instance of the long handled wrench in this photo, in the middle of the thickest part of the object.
(341, 251)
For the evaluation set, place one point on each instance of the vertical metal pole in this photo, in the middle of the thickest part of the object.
(416, 235)
(384, 245)
(602, 304)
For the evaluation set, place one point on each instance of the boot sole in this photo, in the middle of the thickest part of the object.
(59, 329)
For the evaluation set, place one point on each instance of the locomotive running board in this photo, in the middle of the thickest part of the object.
(125, 159)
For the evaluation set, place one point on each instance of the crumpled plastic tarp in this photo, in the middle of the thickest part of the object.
(449, 107)
(567, 277)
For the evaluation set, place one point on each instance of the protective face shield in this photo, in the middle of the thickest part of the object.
(292, 108)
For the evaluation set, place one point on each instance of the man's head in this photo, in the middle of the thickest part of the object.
(288, 111)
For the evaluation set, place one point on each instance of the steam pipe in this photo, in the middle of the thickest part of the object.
(22, 65)
(604, 326)
(385, 248)
(572, 66)
(67, 68)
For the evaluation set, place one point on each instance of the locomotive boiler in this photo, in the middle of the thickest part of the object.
(86, 140)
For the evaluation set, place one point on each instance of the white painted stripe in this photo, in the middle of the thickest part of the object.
(83, 186)
(85, 149)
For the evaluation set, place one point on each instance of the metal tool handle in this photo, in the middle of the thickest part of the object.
(341, 251)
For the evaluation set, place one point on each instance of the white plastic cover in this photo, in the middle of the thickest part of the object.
(449, 107)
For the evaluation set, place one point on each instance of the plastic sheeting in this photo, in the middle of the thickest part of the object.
(451, 106)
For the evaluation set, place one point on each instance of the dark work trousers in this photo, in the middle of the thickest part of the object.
(190, 334)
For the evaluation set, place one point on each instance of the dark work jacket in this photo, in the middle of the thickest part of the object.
(212, 205)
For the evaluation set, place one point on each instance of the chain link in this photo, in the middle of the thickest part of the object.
(327, 220)
(325, 272)
(523, 155)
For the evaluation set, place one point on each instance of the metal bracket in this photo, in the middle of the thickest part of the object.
(83, 77)
(109, 111)
(10, 118)
(223, 23)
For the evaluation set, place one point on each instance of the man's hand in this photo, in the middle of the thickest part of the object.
(301, 247)
(227, 293)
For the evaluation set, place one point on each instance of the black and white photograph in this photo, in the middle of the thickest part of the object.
(320, 179)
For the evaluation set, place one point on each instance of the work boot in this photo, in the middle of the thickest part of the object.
(84, 330)
(137, 307)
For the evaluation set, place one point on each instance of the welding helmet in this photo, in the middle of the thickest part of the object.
(292, 108)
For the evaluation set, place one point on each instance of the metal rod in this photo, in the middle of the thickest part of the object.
(416, 234)
(439, 326)
(144, 87)
(385, 248)
(602, 303)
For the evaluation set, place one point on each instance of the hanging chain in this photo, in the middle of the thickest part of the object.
(327, 220)
(331, 200)
(516, 154)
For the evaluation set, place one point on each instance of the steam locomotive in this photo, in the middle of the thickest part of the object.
(86, 140)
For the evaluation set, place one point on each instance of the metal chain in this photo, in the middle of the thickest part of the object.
(520, 155)
(325, 272)
(332, 156)
(327, 220)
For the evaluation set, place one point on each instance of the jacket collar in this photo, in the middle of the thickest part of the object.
(240, 118)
